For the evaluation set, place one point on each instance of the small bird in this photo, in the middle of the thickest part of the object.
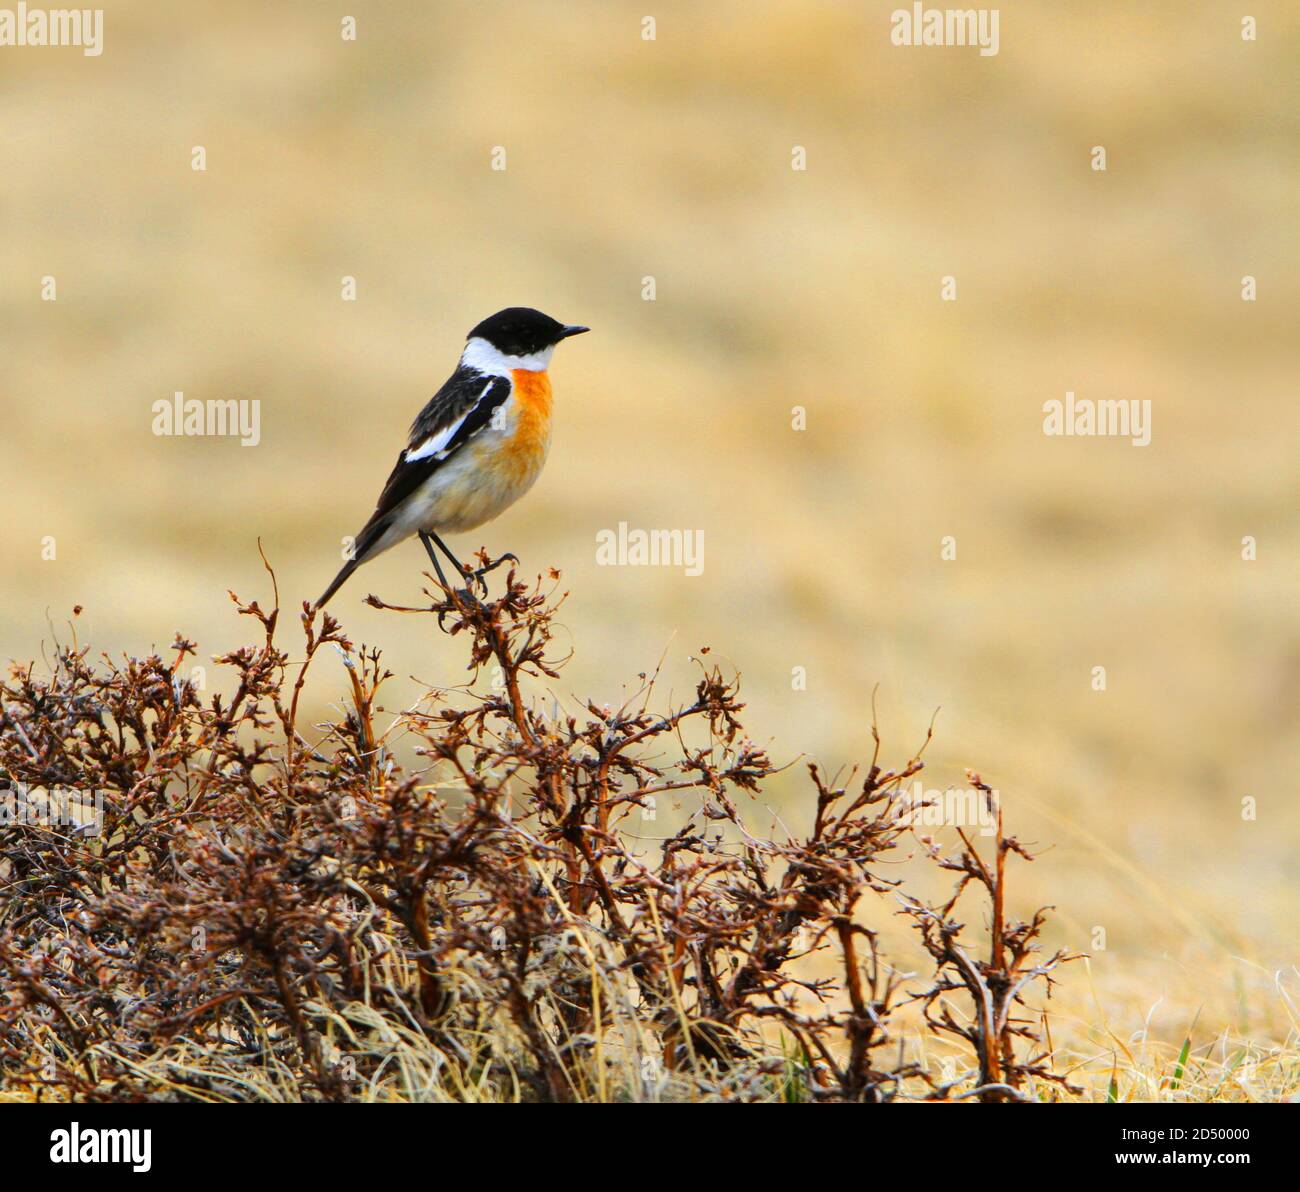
(478, 445)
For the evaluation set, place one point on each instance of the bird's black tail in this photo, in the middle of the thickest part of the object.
(362, 550)
(338, 581)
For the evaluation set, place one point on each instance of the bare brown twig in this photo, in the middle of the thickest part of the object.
(282, 913)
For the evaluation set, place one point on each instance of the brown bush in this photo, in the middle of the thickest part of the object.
(251, 915)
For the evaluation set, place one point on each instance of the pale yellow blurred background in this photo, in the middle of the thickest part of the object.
(775, 288)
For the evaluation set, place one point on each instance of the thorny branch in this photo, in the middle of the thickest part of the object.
(249, 913)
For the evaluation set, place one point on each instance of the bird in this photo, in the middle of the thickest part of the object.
(476, 447)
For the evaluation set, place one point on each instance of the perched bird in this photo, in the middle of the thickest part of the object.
(478, 445)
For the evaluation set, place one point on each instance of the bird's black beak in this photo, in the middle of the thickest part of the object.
(573, 329)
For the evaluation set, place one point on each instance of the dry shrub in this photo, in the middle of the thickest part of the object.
(252, 915)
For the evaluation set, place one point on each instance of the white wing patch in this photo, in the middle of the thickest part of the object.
(436, 445)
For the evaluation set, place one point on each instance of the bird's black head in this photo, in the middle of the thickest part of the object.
(522, 331)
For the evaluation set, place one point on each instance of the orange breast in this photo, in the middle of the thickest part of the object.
(526, 450)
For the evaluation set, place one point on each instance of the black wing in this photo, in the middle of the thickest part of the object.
(454, 415)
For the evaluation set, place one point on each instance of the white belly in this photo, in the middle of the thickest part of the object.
(474, 486)
(474, 489)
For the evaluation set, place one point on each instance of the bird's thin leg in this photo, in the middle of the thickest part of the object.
(480, 572)
(456, 593)
(428, 546)
(465, 574)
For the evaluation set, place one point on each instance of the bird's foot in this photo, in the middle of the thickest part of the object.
(463, 600)
(490, 567)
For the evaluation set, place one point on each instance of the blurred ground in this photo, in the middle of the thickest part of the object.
(775, 288)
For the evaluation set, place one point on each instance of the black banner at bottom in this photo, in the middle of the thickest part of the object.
(294, 1140)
